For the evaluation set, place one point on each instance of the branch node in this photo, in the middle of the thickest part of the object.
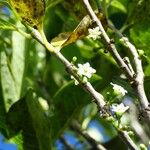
(111, 41)
(127, 62)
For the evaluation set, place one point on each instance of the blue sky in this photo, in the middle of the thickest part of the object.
(6, 146)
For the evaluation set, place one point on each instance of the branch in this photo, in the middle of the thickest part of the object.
(139, 79)
(95, 144)
(127, 140)
(40, 37)
(111, 47)
(68, 146)
(139, 74)
(97, 97)
(134, 122)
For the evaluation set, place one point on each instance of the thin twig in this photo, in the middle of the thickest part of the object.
(139, 74)
(68, 146)
(95, 144)
(86, 86)
(99, 100)
(111, 47)
(139, 79)
(137, 127)
(127, 140)
(97, 97)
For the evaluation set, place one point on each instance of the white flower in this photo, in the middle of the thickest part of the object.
(118, 90)
(85, 70)
(118, 109)
(94, 33)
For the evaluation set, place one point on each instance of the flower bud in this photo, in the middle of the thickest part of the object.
(143, 147)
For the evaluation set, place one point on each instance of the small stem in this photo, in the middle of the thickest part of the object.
(23, 33)
(86, 86)
(95, 144)
(98, 98)
(111, 47)
(47, 45)
(127, 61)
(127, 140)
(137, 62)
(53, 3)
(139, 78)
(69, 66)
(139, 73)
(64, 141)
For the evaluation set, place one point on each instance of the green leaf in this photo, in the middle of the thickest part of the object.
(7, 82)
(138, 11)
(12, 71)
(118, 5)
(140, 34)
(52, 3)
(68, 102)
(4, 25)
(18, 140)
(7, 89)
(27, 116)
(18, 60)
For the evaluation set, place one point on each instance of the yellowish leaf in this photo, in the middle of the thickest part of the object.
(31, 12)
(60, 39)
(64, 39)
(80, 31)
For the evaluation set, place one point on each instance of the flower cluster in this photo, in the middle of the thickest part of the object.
(118, 90)
(118, 109)
(94, 33)
(85, 71)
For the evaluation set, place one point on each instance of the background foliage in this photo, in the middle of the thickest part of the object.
(38, 100)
